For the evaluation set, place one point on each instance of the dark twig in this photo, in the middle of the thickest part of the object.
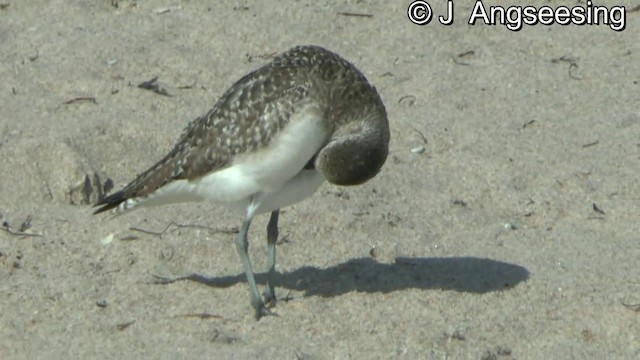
(410, 100)
(123, 326)
(26, 224)
(181, 226)
(153, 85)
(265, 56)
(573, 65)
(458, 59)
(597, 209)
(81, 98)
(203, 316)
(348, 13)
(20, 233)
(424, 139)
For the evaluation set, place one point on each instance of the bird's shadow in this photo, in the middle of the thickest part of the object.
(464, 274)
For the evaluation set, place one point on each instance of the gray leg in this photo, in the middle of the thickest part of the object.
(242, 244)
(272, 237)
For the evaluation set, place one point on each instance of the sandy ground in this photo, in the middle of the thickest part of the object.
(515, 235)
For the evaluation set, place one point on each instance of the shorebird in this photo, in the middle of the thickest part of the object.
(270, 141)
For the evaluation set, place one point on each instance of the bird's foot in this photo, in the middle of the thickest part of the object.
(262, 310)
(269, 296)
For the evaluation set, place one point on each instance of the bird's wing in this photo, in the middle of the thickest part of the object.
(244, 119)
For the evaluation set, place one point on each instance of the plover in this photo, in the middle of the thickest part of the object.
(270, 141)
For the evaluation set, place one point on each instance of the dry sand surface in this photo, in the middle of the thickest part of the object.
(514, 235)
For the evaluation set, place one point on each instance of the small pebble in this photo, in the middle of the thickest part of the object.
(107, 239)
(510, 226)
(418, 150)
(102, 303)
(161, 11)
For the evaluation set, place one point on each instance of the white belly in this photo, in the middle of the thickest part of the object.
(259, 182)
(295, 190)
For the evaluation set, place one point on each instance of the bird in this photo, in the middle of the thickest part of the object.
(270, 141)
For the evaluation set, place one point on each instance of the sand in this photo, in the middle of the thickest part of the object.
(514, 235)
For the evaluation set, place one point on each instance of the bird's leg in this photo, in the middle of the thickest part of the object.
(272, 237)
(242, 244)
